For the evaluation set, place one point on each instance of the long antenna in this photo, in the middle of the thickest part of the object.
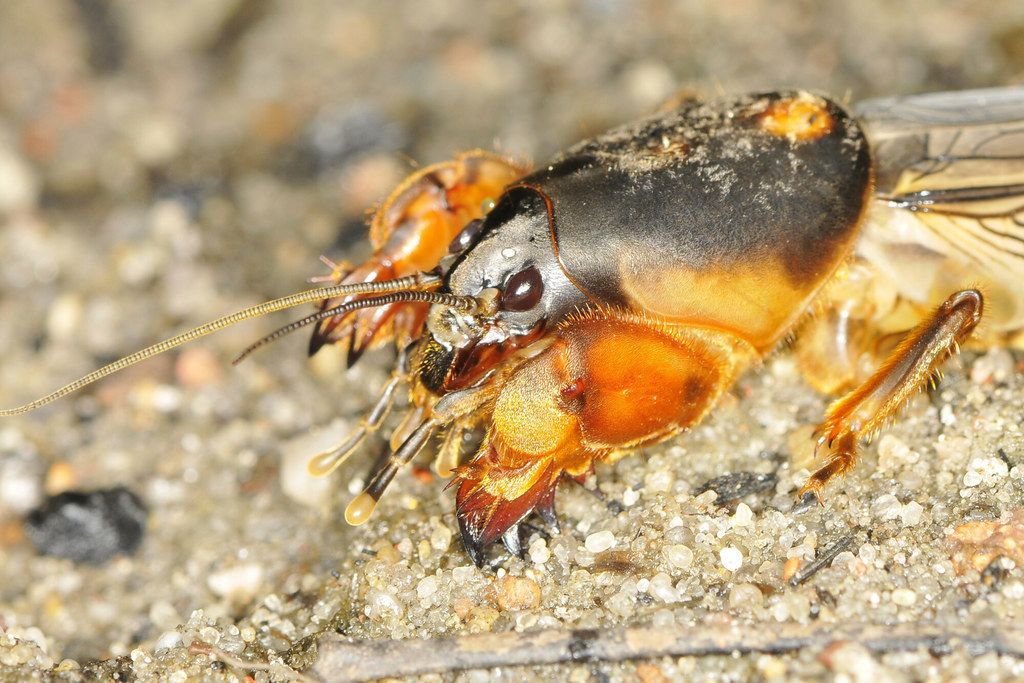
(417, 281)
(463, 303)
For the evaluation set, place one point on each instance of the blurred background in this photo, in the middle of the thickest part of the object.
(165, 162)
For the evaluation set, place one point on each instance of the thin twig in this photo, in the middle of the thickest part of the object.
(343, 659)
(279, 669)
(822, 561)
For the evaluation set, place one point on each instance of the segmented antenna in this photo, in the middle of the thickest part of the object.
(464, 303)
(413, 284)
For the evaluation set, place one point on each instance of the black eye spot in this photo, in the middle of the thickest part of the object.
(466, 236)
(523, 290)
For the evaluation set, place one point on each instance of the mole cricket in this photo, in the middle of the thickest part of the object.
(606, 300)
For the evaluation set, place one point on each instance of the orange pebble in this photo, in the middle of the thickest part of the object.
(790, 569)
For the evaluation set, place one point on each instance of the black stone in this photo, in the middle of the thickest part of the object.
(88, 527)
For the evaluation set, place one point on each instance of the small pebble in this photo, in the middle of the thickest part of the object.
(679, 556)
(996, 365)
(17, 655)
(910, 480)
(198, 366)
(852, 659)
(156, 139)
(1014, 590)
(19, 183)
(382, 604)
(209, 635)
(621, 605)
(912, 513)
(427, 586)
(462, 607)
(463, 574)
(516, 593)
(59, 478)
(169, 639)
(649, 673)
(893, 452)
(661, 588)
(886, 507)
(539, 553)
(987, 470)
(849, 562)
(743, 517)
(732, 559)
(600, 541)
(165, 398)
(904, 597)
(745, 596)
(771, 667)
(659, 481)
(296, 480)
(21, 488)
(440, 537)
(239, 583)
(972, 478)
(88, 527)
(790, 569)
(580, 675)
(64, 316)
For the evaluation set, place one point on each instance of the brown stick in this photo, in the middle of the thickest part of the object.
(344, 659)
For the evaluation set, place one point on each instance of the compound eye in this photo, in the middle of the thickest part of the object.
(523, 290)
(466, 236)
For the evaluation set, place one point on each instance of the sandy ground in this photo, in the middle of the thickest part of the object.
(164, 163)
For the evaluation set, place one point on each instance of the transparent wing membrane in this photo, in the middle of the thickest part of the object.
(949, 173)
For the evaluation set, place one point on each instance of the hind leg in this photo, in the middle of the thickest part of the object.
(915, 361)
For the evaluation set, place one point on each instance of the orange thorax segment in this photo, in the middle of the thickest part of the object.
(753, 301)
(638, 384)
(609, 381)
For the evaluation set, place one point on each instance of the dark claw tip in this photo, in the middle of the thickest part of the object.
(512, 542)
(316, 342)
(355, 352)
